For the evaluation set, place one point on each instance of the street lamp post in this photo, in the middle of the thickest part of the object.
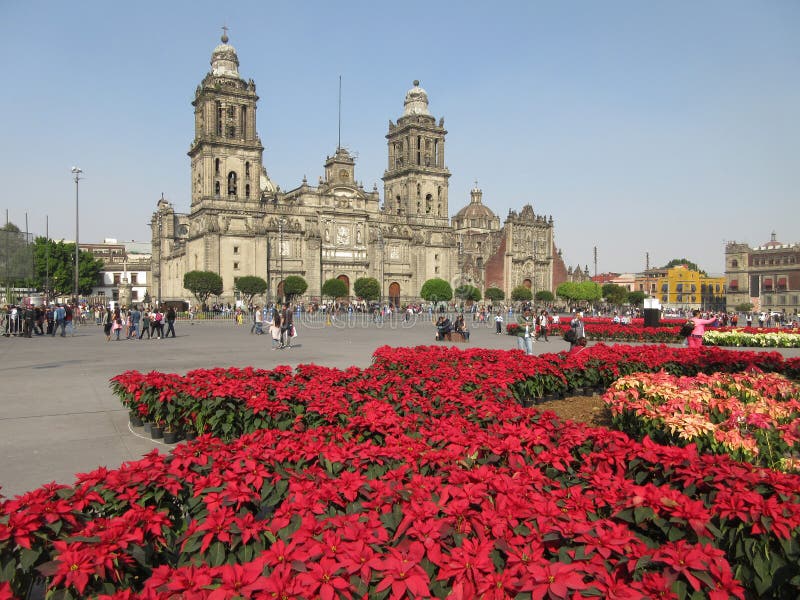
(382, 245)
(280, 255)
(77, 173)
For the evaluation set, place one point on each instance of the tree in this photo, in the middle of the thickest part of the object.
(614, 294)
(293, 286)
(16, 260)
(586, 291)
(495, 294)
(676, 262)
(249, 286)
(54, 268)
(436, 290)
(521, 293)
(743, 307)
(468, 293)
(636, 298)
(203, 284)
(544, 296)
(334, 288)
(367, 288)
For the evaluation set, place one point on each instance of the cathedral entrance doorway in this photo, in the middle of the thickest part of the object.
(394, 294)
(346, 280)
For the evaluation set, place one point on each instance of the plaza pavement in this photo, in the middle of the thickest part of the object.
(58, 416)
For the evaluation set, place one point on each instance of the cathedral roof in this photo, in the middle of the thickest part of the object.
(416, 102)
(224, 60)
(475, 209)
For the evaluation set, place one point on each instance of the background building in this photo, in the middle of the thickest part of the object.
(241, 223)
(125, 274)
(682, 288)
(767, 277)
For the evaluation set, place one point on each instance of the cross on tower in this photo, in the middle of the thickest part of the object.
(225, 34)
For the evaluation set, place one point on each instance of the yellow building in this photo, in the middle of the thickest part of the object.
(682, 288)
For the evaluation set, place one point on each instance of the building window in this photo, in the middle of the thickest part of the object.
(231, 131)
(436, 270)
(216, 166)
(794, 299)
(236, 266)
(231, 183)
(236, 249)
(117, 278)
(134, 278)
(216, 189)
(247, 170)
(734, 263)
(134, 294)
(247, 191)
(219, 117)
(435, 257)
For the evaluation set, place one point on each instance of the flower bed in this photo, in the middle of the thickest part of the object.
(669, 332)
(231, 402)
(762, 339)
(426, 490)
(753, 417)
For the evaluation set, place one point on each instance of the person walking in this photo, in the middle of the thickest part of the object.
(108, 322)
(543, 322)
(136, 317)
(525, 331)
(60, 316)
(275, 330)
(287, 321)
(498, 323)
(695, 339)
(170, 316)
(116, 327)
(579, 328)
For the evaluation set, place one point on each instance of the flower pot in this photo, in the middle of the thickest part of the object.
(136, 420)
(189, 435)
(148, 427)
(171, 437)
(156, 432)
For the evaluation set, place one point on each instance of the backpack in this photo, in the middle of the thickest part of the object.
(570, 336)
(687, 329)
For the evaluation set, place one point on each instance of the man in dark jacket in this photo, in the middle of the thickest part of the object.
(287, 323)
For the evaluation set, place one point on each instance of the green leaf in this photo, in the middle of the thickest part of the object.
(216, 554)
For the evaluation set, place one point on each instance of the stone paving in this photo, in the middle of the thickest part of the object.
(58, 416)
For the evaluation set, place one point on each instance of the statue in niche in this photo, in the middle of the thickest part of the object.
(327, 235)
(358, 235)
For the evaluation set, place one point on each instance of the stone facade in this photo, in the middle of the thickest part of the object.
(241, 223)
(768, 276)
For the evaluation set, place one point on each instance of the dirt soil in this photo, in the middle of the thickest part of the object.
(582, 409)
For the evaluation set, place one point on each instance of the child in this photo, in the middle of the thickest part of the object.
(275, 330)
(498, 323)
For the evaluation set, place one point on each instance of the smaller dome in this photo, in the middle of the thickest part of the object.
(475, 211)
(416, 102)
(224, 60)
(266, 184)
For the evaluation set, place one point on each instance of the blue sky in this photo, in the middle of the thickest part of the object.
(641, 127)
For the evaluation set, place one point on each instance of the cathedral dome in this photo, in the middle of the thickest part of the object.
(475, 214)
(224, 60)
(416, 102)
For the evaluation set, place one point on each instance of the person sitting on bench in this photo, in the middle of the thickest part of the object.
(443, 328)
(460, 327)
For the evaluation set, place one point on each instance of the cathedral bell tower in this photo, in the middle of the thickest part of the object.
(416, 179)
(226, 152)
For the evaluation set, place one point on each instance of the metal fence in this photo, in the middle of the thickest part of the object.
(16, 263)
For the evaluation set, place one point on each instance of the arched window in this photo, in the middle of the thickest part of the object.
(247, 170)
(734, 263)
(428, 204)
(247, 191)
(216, 189)
(232, 183)
(216, 166)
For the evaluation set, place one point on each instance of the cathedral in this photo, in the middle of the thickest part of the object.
(241, 223)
